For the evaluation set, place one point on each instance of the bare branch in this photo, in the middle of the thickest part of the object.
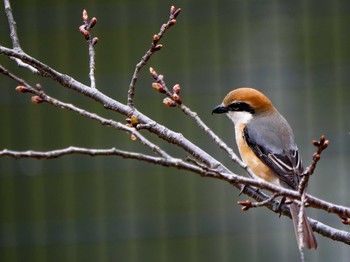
(14, 37)
(301, 227)
(12, 25)
(246, 205)
(321, 145)
(85, 30)
(174, 12)
(92, 65)
(168, 162)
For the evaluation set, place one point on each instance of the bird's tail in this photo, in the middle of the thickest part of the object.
(308, 236)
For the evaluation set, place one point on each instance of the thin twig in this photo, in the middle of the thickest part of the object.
(246, 205)
(14, 37)
(321, 145)
(12, 25)
(85, 29)
(174, 12)
(92, 65)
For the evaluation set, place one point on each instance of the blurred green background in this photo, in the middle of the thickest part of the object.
(80, 208)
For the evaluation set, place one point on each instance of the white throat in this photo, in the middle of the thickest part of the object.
(239, 117)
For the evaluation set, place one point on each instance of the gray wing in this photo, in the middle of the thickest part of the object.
(278, 152)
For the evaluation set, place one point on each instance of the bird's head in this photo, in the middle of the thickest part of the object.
(242, 104)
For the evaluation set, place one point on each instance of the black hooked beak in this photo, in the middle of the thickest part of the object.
(220, 109)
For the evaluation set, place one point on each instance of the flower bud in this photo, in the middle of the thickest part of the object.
(172, 22)
(37, 100)
(158, 47)
(169, 102)
(159, 87)
(177, 98)
(153, 72)
(85, 16)
(176, 88)
(21, 89)
(94, 41)
(155, 39)
(177, 12)
(86, 34)
(82, 29)
(93, 22)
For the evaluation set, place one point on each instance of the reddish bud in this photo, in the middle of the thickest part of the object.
(177, 98)
(158, 87)
(21, 89)
(38, 86)
(158, 47)
(176, 88)
(322, 139)
(37, 100)
(155, 39)
(176, 12)
(245, 205)
(316, 156)
(94, 41)
(82, 29)
(93, 22)
(169, 102)
(325, 144)
(153, 72)
(85, 16)
(86, 34)
(172, 22)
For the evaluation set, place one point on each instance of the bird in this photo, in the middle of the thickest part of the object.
(266, 144)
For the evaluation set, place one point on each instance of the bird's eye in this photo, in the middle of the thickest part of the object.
(241, 106)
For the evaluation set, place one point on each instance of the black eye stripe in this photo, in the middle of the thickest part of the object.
(241, 106)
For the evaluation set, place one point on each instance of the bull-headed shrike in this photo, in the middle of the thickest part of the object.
(266, 144)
